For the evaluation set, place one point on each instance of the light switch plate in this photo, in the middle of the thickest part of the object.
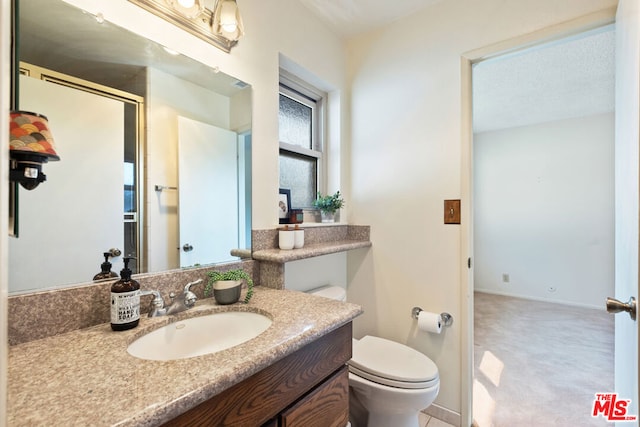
(452, 211)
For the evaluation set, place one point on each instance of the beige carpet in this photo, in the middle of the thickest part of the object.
(539, 364)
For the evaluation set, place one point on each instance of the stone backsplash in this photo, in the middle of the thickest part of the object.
(42, 314)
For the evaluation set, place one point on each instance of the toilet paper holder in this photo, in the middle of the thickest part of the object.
(447, 319)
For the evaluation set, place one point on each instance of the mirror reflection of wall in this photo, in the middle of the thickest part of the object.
(76, 44)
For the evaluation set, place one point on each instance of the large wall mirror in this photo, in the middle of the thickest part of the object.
(155, 153)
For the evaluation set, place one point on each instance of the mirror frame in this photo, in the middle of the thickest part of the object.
(199, 26)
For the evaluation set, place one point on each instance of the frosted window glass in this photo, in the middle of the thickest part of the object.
(295, 122)
(298, 173)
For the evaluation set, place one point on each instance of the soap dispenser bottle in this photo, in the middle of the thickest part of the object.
(125, 300)
(106, 272)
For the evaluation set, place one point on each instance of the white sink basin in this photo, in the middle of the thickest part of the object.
(199, 335)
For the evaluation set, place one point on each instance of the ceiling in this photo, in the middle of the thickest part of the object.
(570, 78)
(349, 18)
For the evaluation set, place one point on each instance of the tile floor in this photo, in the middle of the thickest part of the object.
(427, 421)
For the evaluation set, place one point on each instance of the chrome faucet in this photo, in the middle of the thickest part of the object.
(157, 303)
(183, 302)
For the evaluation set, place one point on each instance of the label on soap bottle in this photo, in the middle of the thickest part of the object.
(125, 307)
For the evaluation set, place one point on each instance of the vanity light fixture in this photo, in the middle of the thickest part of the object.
(220, 25)
(30, 145)
(227, 21)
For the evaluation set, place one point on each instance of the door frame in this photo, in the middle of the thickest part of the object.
(467, 59)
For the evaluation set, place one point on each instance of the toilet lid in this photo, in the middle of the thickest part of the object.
(391, 363)
(332, 292)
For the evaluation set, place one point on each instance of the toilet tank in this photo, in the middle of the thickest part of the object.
(330, 291)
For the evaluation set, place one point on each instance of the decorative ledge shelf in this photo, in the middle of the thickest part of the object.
(309, 250)
(318, 240)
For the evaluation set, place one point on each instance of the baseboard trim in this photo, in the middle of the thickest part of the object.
(443, 414)
(507, 294)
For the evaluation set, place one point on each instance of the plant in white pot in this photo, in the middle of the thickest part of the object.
(328, 205)
(226, 286)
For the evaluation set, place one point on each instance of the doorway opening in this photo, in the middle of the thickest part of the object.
(543, 233)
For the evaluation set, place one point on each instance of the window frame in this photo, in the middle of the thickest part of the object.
(304, 93)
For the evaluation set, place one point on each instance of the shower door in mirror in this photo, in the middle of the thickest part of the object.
(69, 212)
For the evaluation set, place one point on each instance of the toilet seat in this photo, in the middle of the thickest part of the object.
(393, 364)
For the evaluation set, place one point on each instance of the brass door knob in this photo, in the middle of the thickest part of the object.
(615, 306)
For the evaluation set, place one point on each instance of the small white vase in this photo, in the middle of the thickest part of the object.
(327, 216)
(286, 239)
(298, 238)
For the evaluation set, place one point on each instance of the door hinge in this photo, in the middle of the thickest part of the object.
(468, 262)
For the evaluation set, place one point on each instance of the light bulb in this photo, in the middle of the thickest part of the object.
(228, 20)
(187, 3)
(230, 27)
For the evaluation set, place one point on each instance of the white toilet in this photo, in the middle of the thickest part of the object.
(390, 382)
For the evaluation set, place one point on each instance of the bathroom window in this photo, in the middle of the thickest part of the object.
(300, 134)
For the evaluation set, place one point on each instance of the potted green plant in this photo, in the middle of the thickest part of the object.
(226, 286)
(328, 205)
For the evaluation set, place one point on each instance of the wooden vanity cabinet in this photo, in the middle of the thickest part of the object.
(307, 388)
(326, 406)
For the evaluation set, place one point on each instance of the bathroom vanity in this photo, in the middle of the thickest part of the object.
(292, 374)
(309, 387)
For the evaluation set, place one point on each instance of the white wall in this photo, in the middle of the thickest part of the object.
(306, 274)
(544, 211)
(406, 159)
(240, 119)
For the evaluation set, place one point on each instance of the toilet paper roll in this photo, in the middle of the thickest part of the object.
(430, 322)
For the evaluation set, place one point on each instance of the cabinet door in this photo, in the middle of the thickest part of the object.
(326, 406)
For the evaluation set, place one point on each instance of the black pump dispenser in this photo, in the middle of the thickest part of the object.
(106, 272)
(125, 300)
(125, 273)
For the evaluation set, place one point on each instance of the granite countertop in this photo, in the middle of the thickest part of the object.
(86, 377)
(309, 251)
